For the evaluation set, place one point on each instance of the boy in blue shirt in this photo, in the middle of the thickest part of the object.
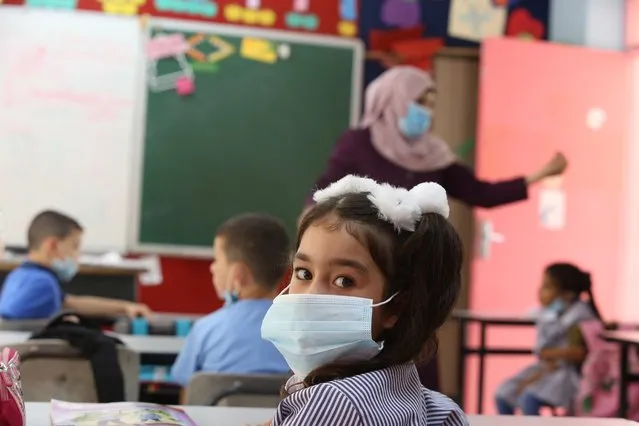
(250, 258)
(33, 290)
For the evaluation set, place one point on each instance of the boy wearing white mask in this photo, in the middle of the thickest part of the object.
(34, 290)
(251, 255)
(376, 273)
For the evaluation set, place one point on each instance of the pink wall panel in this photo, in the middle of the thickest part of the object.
(632, 24)
(536, 99)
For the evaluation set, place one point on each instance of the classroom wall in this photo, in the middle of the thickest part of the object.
(592, 23)
(590, 227)
(631, 26)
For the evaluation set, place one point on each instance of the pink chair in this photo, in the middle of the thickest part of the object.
(599, 387)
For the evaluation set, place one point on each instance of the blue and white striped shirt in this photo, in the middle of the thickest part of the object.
(390, 397)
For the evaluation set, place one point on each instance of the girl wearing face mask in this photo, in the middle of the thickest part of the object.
(395, 143)
(552, 381)
(376, 273)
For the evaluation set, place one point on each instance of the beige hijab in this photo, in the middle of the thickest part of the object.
(387, 100)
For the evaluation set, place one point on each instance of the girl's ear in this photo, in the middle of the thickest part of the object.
(391, 313)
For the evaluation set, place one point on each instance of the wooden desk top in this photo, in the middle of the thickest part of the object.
(126, 268)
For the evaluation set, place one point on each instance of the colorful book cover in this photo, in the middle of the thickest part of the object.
(117, 414)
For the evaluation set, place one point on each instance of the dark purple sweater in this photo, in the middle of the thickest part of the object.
(355, 154)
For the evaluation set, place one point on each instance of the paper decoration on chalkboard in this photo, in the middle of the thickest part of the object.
(384, 39)
(284, 51)
(299, 21)
(122, 7)
(234, 13)
(258, 50)
(418, 52)
(347, 26)
(205, 8)
(348, 10)
(51, 4)
(301, 6)
(184, 86)
(401, 13)
(167, 47)
(347, 29)
(523, 25)
(476, 20)
(200, 42)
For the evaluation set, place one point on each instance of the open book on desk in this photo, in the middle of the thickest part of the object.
(116, 414)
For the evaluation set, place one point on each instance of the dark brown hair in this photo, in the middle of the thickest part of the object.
(424, 266)
(261, 243)
(570, 278)
(50, 223)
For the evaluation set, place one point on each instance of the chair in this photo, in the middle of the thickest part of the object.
(52, 368)
(235, 390)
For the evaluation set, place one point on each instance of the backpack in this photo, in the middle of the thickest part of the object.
(12, 411)
(598, 394)
(99, 348)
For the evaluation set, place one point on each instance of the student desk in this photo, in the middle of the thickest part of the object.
(38, 415)
(484, 320)
(155, 350)
(625, 339)
(118, 282)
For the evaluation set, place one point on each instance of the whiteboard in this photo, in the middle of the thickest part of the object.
(68, 98)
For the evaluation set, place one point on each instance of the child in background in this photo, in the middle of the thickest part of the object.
(376, 273)
(33, 290)
(553, 380)
(250, 258)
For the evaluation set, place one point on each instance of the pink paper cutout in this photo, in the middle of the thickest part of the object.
(301, 6)
(184, 86)
(164, 46)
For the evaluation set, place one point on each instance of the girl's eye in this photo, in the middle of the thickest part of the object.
(303, 274)
(344, 282)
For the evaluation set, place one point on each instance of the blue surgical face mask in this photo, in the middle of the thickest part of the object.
(230, 297)
(557, 306)
(65, 268)
(311, 330)
(416, 122)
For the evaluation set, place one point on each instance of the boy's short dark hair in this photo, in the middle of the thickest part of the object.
(260, 242)
(50, 223)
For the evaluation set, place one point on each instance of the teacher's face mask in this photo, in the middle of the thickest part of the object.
(311, 330)
(416, 122)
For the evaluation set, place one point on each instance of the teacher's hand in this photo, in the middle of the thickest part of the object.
(556, 166)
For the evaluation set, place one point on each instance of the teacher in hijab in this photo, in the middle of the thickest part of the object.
(394, 144)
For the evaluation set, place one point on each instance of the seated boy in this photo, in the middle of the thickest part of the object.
(250, 255)
(33, 290)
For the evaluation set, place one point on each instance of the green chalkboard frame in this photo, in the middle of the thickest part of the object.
(202, 249)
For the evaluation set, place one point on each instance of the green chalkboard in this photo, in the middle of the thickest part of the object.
(253, 136)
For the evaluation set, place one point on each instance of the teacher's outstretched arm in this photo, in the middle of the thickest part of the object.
(461, 183)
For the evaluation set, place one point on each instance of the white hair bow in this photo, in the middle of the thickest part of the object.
(399, 206)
